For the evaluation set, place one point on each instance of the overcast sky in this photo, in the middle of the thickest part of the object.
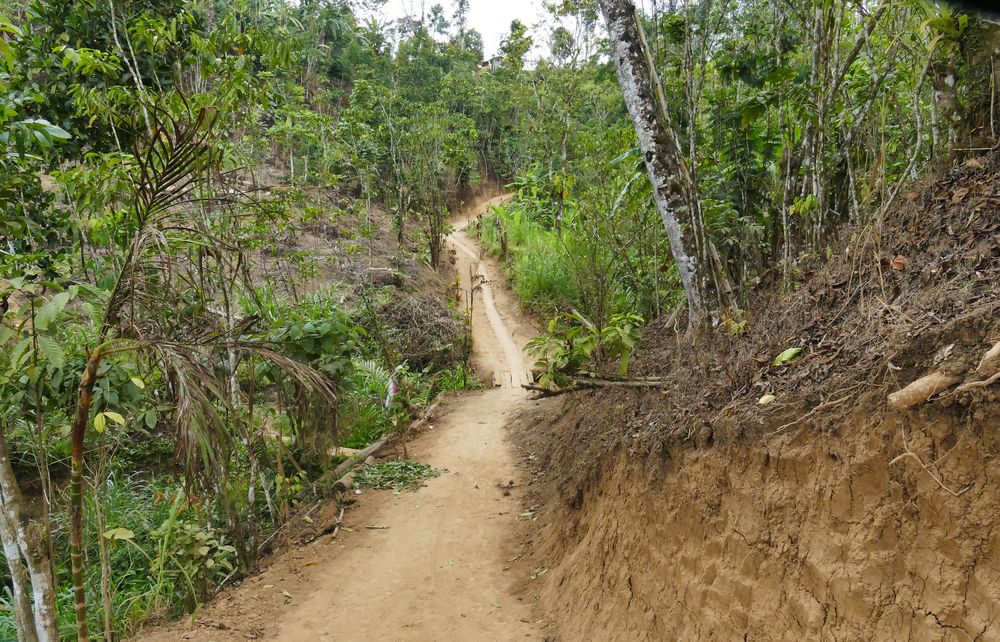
(490, 17)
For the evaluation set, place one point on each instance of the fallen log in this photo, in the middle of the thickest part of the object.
(344, 484)
(358, 458)
(589, 384)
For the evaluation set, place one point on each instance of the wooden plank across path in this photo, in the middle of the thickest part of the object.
(508, 379)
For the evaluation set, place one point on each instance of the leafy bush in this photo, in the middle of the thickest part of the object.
(192, 558)
(573, 345)
(317, 331)
(365, 412)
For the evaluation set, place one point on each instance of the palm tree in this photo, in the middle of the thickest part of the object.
(170, 247)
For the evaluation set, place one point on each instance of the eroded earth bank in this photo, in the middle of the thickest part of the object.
(696, 512)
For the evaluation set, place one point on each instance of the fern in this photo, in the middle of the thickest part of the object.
(372, 371)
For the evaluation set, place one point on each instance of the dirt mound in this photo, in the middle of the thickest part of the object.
(697, 512)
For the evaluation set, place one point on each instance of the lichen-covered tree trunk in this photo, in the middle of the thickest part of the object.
(674, 190)
(24, 620)
(26, 552)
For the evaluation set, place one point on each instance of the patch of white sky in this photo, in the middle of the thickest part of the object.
(491, 18)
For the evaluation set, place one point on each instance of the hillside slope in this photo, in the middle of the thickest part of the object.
(697, 512)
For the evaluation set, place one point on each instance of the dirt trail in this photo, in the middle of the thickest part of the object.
(437, 571)
(437, 564)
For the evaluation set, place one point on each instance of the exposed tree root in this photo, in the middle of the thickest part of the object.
(909, 454)
(921, 390)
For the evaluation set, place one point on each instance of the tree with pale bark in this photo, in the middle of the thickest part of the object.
(674, 188)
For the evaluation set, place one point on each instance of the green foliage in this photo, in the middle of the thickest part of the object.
(191, 558)
(365, 410)
(787, 356)
(316, 332)
(572, 345)
(540, 272)
(289, 489)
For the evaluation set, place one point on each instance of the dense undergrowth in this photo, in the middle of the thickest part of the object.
(166, 544)
(565, 255)
(222, 225)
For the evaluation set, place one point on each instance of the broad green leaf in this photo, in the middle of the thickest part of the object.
(43, 140)
(100, 423)
(138, 383)
(787, 356)
(51, 310)
(20, 353)
(55, 131)
(119, 534)
(52, 351)
(115, 417)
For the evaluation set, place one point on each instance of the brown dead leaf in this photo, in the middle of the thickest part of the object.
(959, 195)
(900, 262)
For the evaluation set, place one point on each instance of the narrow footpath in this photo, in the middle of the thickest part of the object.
(435, 564)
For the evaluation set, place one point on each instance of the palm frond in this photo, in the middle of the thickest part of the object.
(183, 260)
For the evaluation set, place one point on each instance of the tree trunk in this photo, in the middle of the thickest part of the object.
(944, 80)
(27, 557)
(674, 189)
(80, 421)
(24, 619)
(976, 68)
(103, 547)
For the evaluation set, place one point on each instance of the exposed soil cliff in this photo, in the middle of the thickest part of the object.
(698, 513)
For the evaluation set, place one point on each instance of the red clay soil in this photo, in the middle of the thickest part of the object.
(697, 513)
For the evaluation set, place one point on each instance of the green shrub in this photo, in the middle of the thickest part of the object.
(573, 345)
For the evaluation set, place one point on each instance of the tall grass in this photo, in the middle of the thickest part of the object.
(538, 259)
